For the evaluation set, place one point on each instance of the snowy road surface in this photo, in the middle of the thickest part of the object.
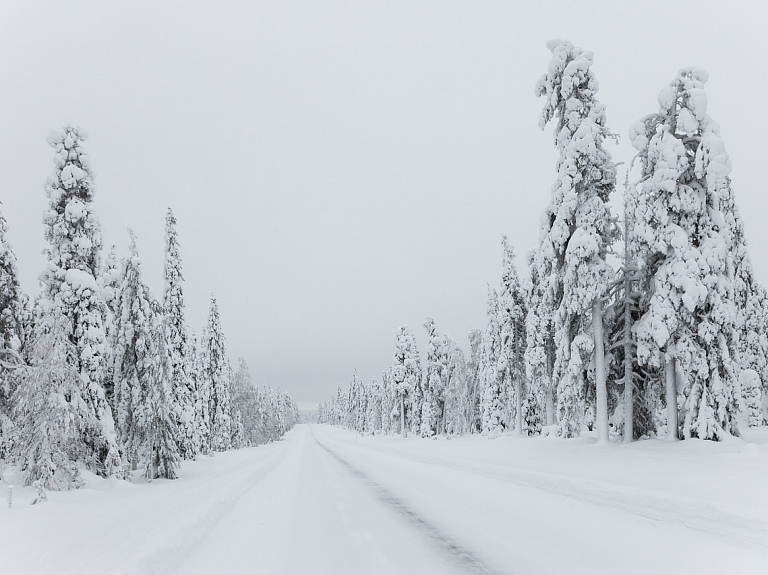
(325, 500)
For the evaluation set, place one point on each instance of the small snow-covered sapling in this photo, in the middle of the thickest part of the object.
(41, 494)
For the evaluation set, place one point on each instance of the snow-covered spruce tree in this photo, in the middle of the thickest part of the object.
(131, 354)
(577, 229)
(200, 394)
(109, 281)
(160, 431)
(454, 421)
(12, 335)
(492, 401)
(388, 402)
(54, 422)
(356, 404)
(749, 298)
(685, 243)
(173, 307)
(620, 318)
(417, 391)
(540, 348)
(238, 431)
(471, 405)
(12, 302)
(405, 376)
(434, 384)
(214, 379)
(512, 315)
(373, 408)
(69, 284)
(245, 402)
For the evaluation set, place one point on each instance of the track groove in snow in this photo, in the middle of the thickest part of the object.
(720, 520)
(171, 557)
(464, 558)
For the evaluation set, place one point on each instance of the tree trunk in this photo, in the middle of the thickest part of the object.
(518, 394)
(629, 380)
(671, 397)
(402, 415)
(548, 392)
(602, 396)
(550, 405)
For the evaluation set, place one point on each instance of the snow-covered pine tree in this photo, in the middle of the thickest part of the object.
(492, 400)
(684, 240)
(173, 307)
(512, 316)
(577, 229)
(160, 431)
(131, 354)
(54, 423)
(69, 284)
(214, 375)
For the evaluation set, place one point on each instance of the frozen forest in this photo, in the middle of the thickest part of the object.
(97, 374)
(608, 414)
(648, 323)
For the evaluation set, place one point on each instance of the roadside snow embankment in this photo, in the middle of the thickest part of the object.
(134, 527)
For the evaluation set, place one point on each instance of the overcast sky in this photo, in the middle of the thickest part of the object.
(339, 169)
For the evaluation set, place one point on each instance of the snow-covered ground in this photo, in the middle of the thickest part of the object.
(325, 500)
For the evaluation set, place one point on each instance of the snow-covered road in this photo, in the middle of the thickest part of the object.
(325, 500)
(314, 514)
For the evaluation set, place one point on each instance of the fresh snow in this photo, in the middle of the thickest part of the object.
(327, 500)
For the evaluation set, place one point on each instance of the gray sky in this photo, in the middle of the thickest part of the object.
(339, 169)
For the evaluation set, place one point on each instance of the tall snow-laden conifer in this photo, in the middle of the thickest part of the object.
(471, 408)
(577, 229)
(173, 306)
(132, 354)
(69, 283)
(683, 219)
(55, 423)
(512, 311)
(434, 384)
(12, 301)
(405, 376)
(456, 388)
(492, 402)
(160, 429)
(214, 374)
(540, 339)
(245, 400)
(12, 333)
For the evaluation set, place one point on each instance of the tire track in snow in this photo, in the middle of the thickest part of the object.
(171, 557)
(692, 514)
(466, 560)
